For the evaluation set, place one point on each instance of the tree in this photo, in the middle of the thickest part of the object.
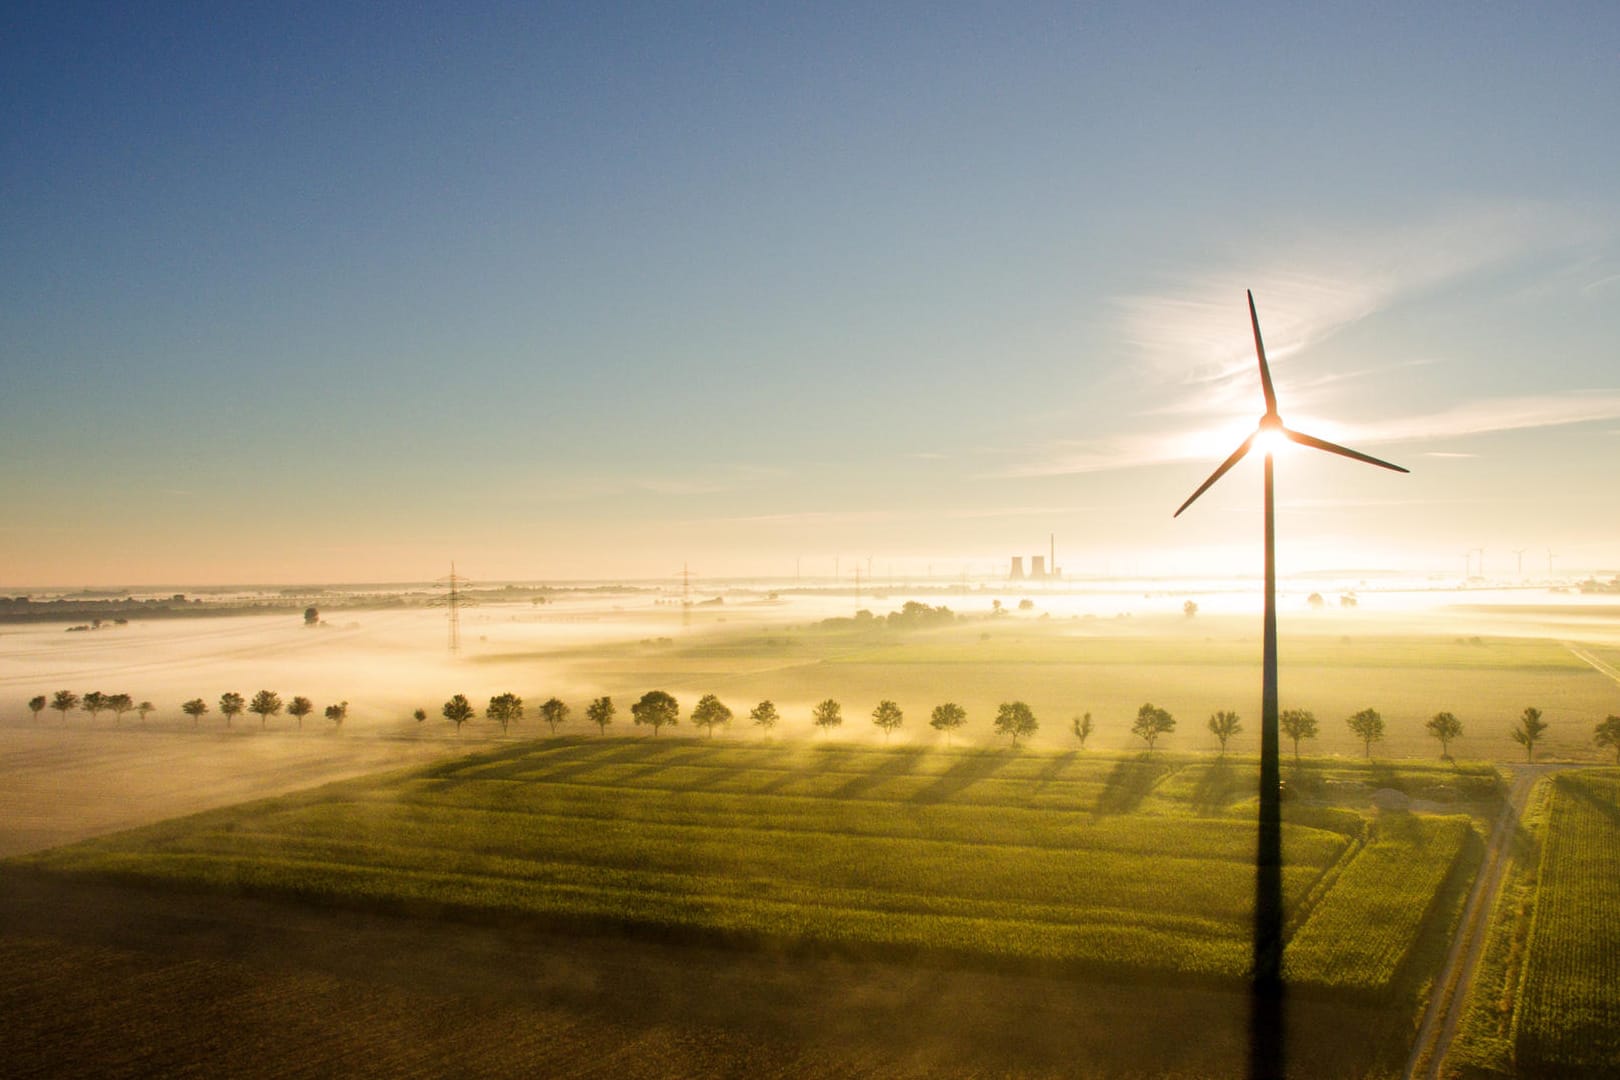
(312, 616)
(1189, 609)
(1298, 724)
(458, 710)
(1015, 718)
(1081, 726)
(553, 712)
(656, 708)
(887, 716)
(36, 705)
(948, 718)
(266, 703)
(1223, 725)
(145, 708)
(340, 712)
(1528, 733)
(764, 715)
(709, 713)
(118, 705)
(828, 715)
(600, 712)
(420, 715)
(1445, 727)
(1608, 734)
(1151, 722)
(1368, 727)
(195, 708)
(94, 702)
(64, 702)
(505, 708)
(300, 707)
(231, 704)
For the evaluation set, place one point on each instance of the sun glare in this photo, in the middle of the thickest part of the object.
(1269, 441)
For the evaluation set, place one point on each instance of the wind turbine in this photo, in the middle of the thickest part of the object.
(1266, 1020)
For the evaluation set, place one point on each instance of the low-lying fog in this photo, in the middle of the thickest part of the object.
(386, 663)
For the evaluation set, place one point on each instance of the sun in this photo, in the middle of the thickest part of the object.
(1269, 440)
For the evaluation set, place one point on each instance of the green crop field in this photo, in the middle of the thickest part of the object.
(1543, 1003)
(1115, 863)
(1568, 1019)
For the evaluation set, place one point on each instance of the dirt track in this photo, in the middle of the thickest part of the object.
(1455, 980)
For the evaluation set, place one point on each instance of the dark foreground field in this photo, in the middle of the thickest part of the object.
(747, 910)
(110, 980)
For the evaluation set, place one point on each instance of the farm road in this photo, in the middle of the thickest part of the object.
(1456, 978)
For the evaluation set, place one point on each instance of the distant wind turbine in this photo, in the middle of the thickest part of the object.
(1266, 1022)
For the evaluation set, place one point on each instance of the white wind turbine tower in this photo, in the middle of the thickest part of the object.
(1266, 1020)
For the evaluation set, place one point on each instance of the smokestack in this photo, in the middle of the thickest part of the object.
(1017, 568)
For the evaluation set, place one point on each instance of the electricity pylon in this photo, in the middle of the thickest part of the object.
(452, 602)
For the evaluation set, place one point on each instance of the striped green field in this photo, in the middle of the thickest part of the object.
(1568, 1018)
(1112, 863)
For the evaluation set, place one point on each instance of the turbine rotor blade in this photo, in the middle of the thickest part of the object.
(1343, 451)
(1237, 456)
(1260, 351)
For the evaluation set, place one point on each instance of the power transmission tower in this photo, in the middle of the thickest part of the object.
(453, 601)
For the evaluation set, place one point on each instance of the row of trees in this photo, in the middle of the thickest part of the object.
(266, 703)
(1368, 726)
(95, 703)
(658, 709)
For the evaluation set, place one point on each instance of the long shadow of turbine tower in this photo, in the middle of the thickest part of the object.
(1267, 1020)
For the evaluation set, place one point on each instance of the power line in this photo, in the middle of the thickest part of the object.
(453, 601)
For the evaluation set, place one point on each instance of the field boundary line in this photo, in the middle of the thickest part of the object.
(1597, 665)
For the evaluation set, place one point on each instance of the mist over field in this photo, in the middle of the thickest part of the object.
(1074, 649)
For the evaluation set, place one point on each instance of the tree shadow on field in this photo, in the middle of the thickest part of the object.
(1054, 769)
(765, 760)
(973, 767)
(827, 759)
(1220, 785)
(895, 763)
(1583, 792)
(602, 754)
(1129, 782)
(658, 757)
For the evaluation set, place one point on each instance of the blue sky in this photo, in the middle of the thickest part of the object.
(330, 292)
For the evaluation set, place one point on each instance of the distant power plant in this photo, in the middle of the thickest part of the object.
(1041, 567)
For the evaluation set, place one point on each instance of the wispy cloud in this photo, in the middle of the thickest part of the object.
(710, 480)
(1315, 287)
(867, 517)
(1495, 414)
(812, 517)
(1470, 418)
(1190, 335)
(1610, 281)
